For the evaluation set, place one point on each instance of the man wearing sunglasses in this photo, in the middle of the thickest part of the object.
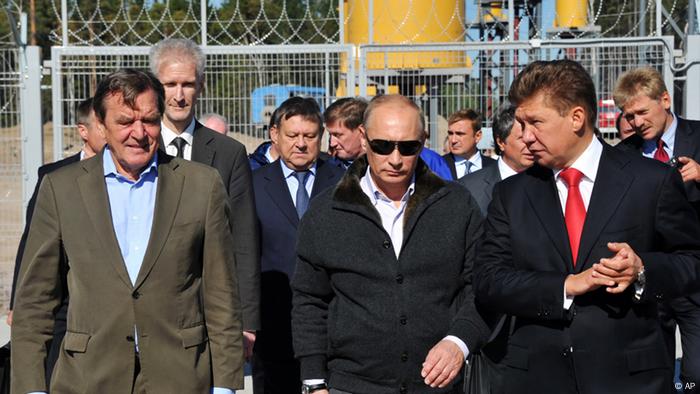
(387, 306)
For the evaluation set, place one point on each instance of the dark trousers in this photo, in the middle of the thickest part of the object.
(275, 375)
(686, 314)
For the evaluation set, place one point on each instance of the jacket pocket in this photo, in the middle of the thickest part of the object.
(517, 357)
(76, 342)
(193, 336)
(646, 359)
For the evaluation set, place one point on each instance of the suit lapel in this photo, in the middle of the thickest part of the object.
(542, 194)
(276, 188)
(202, 152)
(325, 178)
(93, 191)
(493, 176)
(611, 186)
(168, 196)
(684, 145)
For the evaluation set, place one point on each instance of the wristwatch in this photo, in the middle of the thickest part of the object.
(639, 285)
(312, 388)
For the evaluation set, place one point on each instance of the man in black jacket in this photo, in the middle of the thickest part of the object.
(387, 306)
(179, 65)
(660, 134)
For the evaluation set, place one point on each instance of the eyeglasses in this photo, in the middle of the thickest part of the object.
(385, 147)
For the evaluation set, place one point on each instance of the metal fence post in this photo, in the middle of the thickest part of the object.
(30, 110)
(691, 98)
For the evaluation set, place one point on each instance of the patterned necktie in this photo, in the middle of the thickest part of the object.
(575, 211)
(179, 144)
(660, 153)
(302, 194)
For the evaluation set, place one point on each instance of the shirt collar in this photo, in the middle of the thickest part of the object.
(588, 162)
(668, 137)
(169, 135)
(504, 169)
(372, 191)
(110, 169)
(289, 172)
(475, 159)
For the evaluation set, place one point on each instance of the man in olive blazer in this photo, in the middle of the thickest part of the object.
(170, 325)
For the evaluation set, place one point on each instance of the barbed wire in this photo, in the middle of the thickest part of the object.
(241, 22)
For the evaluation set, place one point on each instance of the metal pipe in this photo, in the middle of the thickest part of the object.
(370, 22)
(341, 21)
(658, 17)
(511, 19)
(64, 23)
(203, 16)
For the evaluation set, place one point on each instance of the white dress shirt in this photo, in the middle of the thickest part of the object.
(587, 163)
(461, 164)
(169, 135)
(504, 169)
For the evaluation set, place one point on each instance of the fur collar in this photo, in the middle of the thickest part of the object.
(348, 190)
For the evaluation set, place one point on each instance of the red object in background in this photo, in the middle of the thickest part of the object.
(607, 113)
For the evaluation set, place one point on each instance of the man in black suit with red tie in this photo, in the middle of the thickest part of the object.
(580, 247)
(660, 134)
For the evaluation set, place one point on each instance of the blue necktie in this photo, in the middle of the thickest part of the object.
(302, 195)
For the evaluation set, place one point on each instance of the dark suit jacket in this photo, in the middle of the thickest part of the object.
(278, 223)
(450, 159)
(184, 300)
(480, 184)
(604, 341)
(229, 157)
(43, 170)
(687, 143)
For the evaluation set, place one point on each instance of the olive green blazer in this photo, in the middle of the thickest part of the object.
(184, 302)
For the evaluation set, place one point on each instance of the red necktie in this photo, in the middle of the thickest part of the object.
(660, 153)
(575, 211)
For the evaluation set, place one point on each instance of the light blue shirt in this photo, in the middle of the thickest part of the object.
(132, 204)
(668, 137)
(464, 166)
(293, 182)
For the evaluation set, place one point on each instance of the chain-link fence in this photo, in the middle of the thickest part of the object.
(445, 78)
(243, 84)
(11, 213)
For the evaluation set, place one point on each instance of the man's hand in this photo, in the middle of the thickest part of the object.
(690, 170)
(9, 318)
(248, 343)
(442, 364)
(585, 282)
(622, 268)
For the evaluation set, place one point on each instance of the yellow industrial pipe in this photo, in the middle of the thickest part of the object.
(571, 14)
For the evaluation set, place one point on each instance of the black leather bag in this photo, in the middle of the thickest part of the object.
(5, 369)
(476, 375)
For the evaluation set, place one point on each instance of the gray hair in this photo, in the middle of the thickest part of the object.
(502, 124)
(183, 50)
(204, 118)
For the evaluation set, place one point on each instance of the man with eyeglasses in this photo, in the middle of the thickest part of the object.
(387, 306)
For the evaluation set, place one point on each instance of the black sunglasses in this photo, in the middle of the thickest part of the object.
(385, 147)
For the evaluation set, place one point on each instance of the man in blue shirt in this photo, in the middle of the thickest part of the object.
(148, 268)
